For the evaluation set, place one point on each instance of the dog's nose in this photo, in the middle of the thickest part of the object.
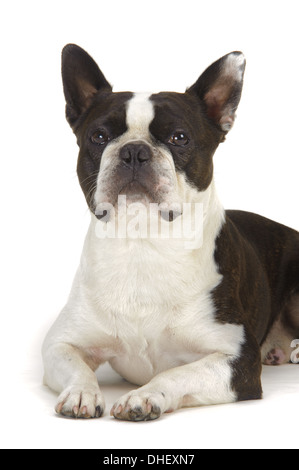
(135, 153)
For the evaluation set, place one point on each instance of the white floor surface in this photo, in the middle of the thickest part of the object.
(29, 421)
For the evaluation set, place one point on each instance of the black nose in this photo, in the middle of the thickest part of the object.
(135, 154)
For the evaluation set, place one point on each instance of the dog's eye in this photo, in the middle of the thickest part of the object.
(100, 137)
(178, 138)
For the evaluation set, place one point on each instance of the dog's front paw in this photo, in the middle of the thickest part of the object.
(81, 402)
(139, 406)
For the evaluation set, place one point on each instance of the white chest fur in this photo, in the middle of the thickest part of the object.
(146, 305)
(152, 300)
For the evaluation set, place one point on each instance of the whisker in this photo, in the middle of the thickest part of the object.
(93, 175)
(90, 179)
(91, 191)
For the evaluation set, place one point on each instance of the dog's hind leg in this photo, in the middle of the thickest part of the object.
(276, 350)
(278, 346)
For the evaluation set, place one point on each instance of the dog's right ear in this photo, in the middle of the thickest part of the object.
(82, 79)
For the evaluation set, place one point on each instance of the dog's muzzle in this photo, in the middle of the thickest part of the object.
(138, 177)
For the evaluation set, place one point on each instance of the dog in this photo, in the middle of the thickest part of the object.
(189, 324)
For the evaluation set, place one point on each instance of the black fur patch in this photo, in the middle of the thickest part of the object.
(184, 112)
(108, 111)
(259, 261)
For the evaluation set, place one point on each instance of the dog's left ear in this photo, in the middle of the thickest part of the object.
(220, 87)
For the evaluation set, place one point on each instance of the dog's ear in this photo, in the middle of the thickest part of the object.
(82, 79)
(220, 87)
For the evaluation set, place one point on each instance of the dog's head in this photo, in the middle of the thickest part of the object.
(153, 148)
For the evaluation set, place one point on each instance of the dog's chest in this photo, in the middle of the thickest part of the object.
(150, 351)
(153, 336)
(133, 279)
(154, 301)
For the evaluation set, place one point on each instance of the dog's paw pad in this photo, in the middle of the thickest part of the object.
(80, 402)
(139, 407)
(275, 357)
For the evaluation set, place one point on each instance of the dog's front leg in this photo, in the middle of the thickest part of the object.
(204, 382)
(68, 372)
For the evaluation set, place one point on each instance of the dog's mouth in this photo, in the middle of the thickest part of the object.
(134, 191)
(131, 192)
(136, 194)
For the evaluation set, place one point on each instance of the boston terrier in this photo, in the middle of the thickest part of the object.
(190, 323)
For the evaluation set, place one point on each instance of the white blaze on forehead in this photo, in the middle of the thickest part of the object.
(140, 113)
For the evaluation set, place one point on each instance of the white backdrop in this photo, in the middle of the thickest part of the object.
(145, 45)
